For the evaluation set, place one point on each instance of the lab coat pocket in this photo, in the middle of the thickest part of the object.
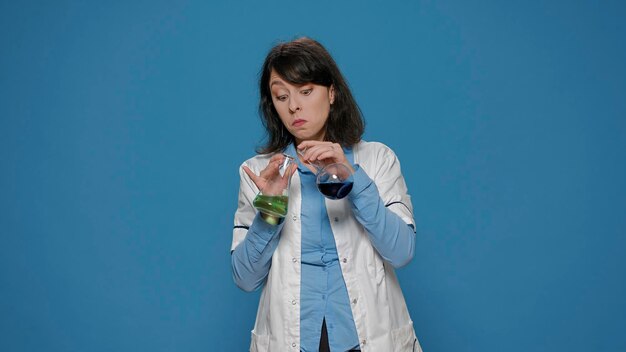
(404, 339)
(260, 343)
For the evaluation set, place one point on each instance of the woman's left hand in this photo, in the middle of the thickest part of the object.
(326, 152)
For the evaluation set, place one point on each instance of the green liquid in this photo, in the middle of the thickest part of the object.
(275, 207)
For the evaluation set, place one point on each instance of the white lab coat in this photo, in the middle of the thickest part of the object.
(378, 307)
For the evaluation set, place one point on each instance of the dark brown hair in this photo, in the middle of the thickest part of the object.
(299, 62)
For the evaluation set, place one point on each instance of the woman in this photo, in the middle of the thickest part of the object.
(327, 270)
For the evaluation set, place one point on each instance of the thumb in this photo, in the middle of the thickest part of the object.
(252, 175)
(293, 169)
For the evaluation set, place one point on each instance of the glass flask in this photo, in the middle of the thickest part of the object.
(334, 180)
(273, 199)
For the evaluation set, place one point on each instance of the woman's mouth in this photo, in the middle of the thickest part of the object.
(298, 122)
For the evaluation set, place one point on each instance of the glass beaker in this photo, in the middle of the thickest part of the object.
(334, 180)
(273, 199)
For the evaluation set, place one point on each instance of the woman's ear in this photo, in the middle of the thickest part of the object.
(331, 94)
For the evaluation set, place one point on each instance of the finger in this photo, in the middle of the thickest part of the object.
(271, 169)
(288, 173)
(277, 158)
(252, 175)
(312, 151)
(292, 169)
(323, 152)
(274, 162)
(328, 154)
(306, 145)
(249, 172)
(338, 154)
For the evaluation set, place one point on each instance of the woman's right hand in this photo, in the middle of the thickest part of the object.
(272, 173)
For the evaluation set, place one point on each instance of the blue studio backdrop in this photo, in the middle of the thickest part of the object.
(122, 126)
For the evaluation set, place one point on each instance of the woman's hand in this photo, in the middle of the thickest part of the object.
(325, 152)
(270, 181)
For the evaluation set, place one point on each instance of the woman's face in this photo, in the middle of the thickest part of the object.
(302, 109)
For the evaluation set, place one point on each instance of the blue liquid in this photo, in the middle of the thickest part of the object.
(335, 190)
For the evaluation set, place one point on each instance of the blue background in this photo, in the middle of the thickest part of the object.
(122, 126)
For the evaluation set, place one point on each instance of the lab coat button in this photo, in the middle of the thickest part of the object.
(336, 219)
(294, 218)
(293, 345)
(293, 302)
(294, 260)
(363, 343)
(344, 260)
(354, 301)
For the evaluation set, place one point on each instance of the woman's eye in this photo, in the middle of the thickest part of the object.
(281, 97)
(307, 91)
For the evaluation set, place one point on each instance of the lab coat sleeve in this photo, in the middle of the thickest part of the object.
(254, 240)
(382, 205)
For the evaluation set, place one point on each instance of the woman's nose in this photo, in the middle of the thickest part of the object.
(294, 105)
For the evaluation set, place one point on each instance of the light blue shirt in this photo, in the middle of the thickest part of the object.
(323, 291)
